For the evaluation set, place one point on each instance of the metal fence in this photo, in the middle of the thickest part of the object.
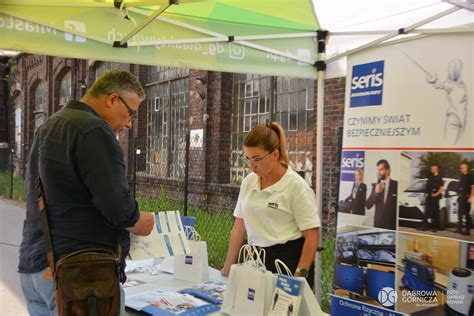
(211, 204)
(10, 185)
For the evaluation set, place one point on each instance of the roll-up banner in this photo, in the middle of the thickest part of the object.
(405, 240)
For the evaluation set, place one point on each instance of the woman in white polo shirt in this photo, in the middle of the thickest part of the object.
(276, 208)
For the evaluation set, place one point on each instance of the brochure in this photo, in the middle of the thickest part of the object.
(165, 303)
(167, 238)
(286, 296)
(212, 292)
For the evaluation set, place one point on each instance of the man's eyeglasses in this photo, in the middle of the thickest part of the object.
(131, 112)
(255, 160)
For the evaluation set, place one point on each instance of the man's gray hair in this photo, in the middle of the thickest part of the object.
(116, 81)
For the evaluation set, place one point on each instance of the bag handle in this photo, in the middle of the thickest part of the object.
(260, 254)
(191, 233)
(243, 250)
(279, 264)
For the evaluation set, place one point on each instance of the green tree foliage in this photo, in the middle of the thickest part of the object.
(448, 163)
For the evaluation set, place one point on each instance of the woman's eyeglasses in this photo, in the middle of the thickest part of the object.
(255, 160)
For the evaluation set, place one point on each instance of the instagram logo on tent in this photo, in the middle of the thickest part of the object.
(236, 51)
(75, 26)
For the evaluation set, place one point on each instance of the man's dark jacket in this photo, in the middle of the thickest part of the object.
(89, 203)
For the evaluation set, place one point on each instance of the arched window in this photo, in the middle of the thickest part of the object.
(65, 89)
(39, 97)
(39, 106)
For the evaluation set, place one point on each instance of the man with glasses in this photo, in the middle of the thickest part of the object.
(82, 169)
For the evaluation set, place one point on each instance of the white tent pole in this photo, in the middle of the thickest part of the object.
(46, 3)
(319, 156)
(180, 41)
(274, 36)
(466, 29)
(223, 39)
(144, 23)
(394, 34)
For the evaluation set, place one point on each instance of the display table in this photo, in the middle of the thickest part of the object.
(162, 281)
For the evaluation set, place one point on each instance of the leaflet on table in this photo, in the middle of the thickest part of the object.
(132, 282)
(212, 292)
(166, 239)
(286, 296)
(169, 303)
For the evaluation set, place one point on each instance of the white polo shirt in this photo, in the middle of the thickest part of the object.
(278, 213)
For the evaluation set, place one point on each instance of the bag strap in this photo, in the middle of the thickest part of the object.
(44, 224)
(91, 305)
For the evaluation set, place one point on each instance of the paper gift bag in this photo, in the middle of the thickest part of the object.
(193, 266)
(254, 291)
(308, 304)
(249, 287)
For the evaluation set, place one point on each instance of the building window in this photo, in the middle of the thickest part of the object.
(102, 67)
(167, 121)
(289, 101)
(39, 106)
(65, 89)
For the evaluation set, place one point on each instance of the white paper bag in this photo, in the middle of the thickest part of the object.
(309, 305)
(193, 266)
(254, 290)
(249, 287)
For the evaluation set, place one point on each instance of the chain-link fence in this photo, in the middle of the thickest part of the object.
(11, 185)
(211, 204)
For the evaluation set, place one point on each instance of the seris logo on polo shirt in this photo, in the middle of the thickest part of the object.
(272, 205)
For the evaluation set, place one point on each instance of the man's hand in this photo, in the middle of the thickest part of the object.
(144, 226)
(379, 187)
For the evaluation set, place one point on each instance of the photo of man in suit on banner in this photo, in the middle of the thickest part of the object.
(384, 197)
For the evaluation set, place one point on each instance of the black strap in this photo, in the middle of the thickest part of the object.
(44, 225)
(92, 305)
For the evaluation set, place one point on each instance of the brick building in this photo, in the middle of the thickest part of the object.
(217, 109)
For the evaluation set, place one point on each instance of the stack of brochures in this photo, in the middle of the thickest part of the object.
(165, 303)
(212, 292)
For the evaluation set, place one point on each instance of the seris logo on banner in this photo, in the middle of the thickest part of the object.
(351, 161)
(367, 84)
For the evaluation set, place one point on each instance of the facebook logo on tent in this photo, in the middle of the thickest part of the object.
(367, 84)
(351, 161)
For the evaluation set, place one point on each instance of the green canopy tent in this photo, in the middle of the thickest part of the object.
(269, 37)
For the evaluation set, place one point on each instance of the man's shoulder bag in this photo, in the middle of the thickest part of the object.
(87, 280)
